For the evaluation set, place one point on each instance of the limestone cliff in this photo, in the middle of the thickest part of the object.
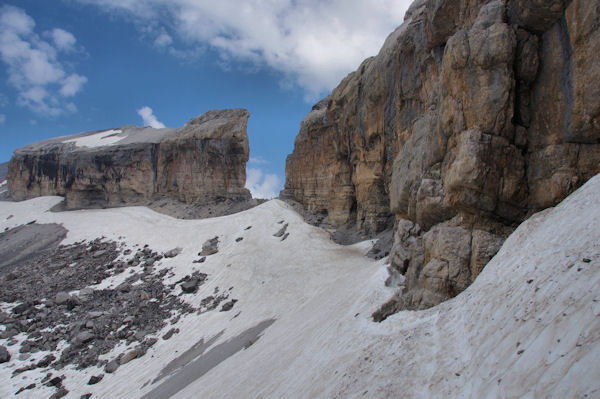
(203, 161)
(474, 114)
(3, 171)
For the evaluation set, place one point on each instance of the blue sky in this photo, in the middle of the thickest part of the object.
(69, 66)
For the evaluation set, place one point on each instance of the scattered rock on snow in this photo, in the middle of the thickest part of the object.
(189, 287)
(227, 306)
(210, 247)
(172, 253)
(112, 366)
(211, 302)
(45, 362)
(95, 320)
(190, 283)
(99, 254)
(95, 379)
(170, 333)
(28, 387)
(54, 382)
(60, 393)
(129, 356)
(281, 231)
(4, 354)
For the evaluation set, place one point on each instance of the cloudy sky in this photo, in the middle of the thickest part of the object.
(68, 66)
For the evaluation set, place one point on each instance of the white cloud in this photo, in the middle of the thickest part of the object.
(2, 118)
(63, 40)
(33, 66)
(149, 119)
(313, 43)
(163, 40)
(16, 20)
(258, 160)
(72, 84)
(261, 184)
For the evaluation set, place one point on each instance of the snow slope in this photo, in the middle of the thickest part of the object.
(529, 326)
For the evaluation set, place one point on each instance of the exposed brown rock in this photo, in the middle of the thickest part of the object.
(536, 15)
(203, 161)
(473, 115)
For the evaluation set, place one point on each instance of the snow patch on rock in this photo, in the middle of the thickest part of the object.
(100, 139)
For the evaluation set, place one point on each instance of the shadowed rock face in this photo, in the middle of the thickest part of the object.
(203, 161)
(3, 171)
(474, 114)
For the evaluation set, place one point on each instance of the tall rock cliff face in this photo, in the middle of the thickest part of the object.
(474, 114)
(201, 162)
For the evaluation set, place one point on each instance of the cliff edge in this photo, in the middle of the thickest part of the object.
(474, 115)
(200, 163)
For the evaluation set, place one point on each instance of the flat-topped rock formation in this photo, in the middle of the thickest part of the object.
(199, 163)
(474, 114)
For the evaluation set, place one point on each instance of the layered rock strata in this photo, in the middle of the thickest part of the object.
(201, 162)
(474, 114)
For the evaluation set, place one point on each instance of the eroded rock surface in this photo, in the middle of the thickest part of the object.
(201, 162)
(474, 114)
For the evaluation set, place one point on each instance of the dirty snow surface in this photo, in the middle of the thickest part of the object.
(529, 326)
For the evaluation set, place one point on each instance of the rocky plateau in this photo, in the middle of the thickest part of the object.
(202, 163)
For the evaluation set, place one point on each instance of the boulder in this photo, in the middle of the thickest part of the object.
(84, 337)
(4, 354)
(129, 356)
(190, 286)
(112, 366)
(172, 253)
(95, 379)
(210, 247)
(227, 306)
(60, 393)
(62, 298)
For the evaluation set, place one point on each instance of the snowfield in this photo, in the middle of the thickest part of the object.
(107, 137)
(529, 326)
